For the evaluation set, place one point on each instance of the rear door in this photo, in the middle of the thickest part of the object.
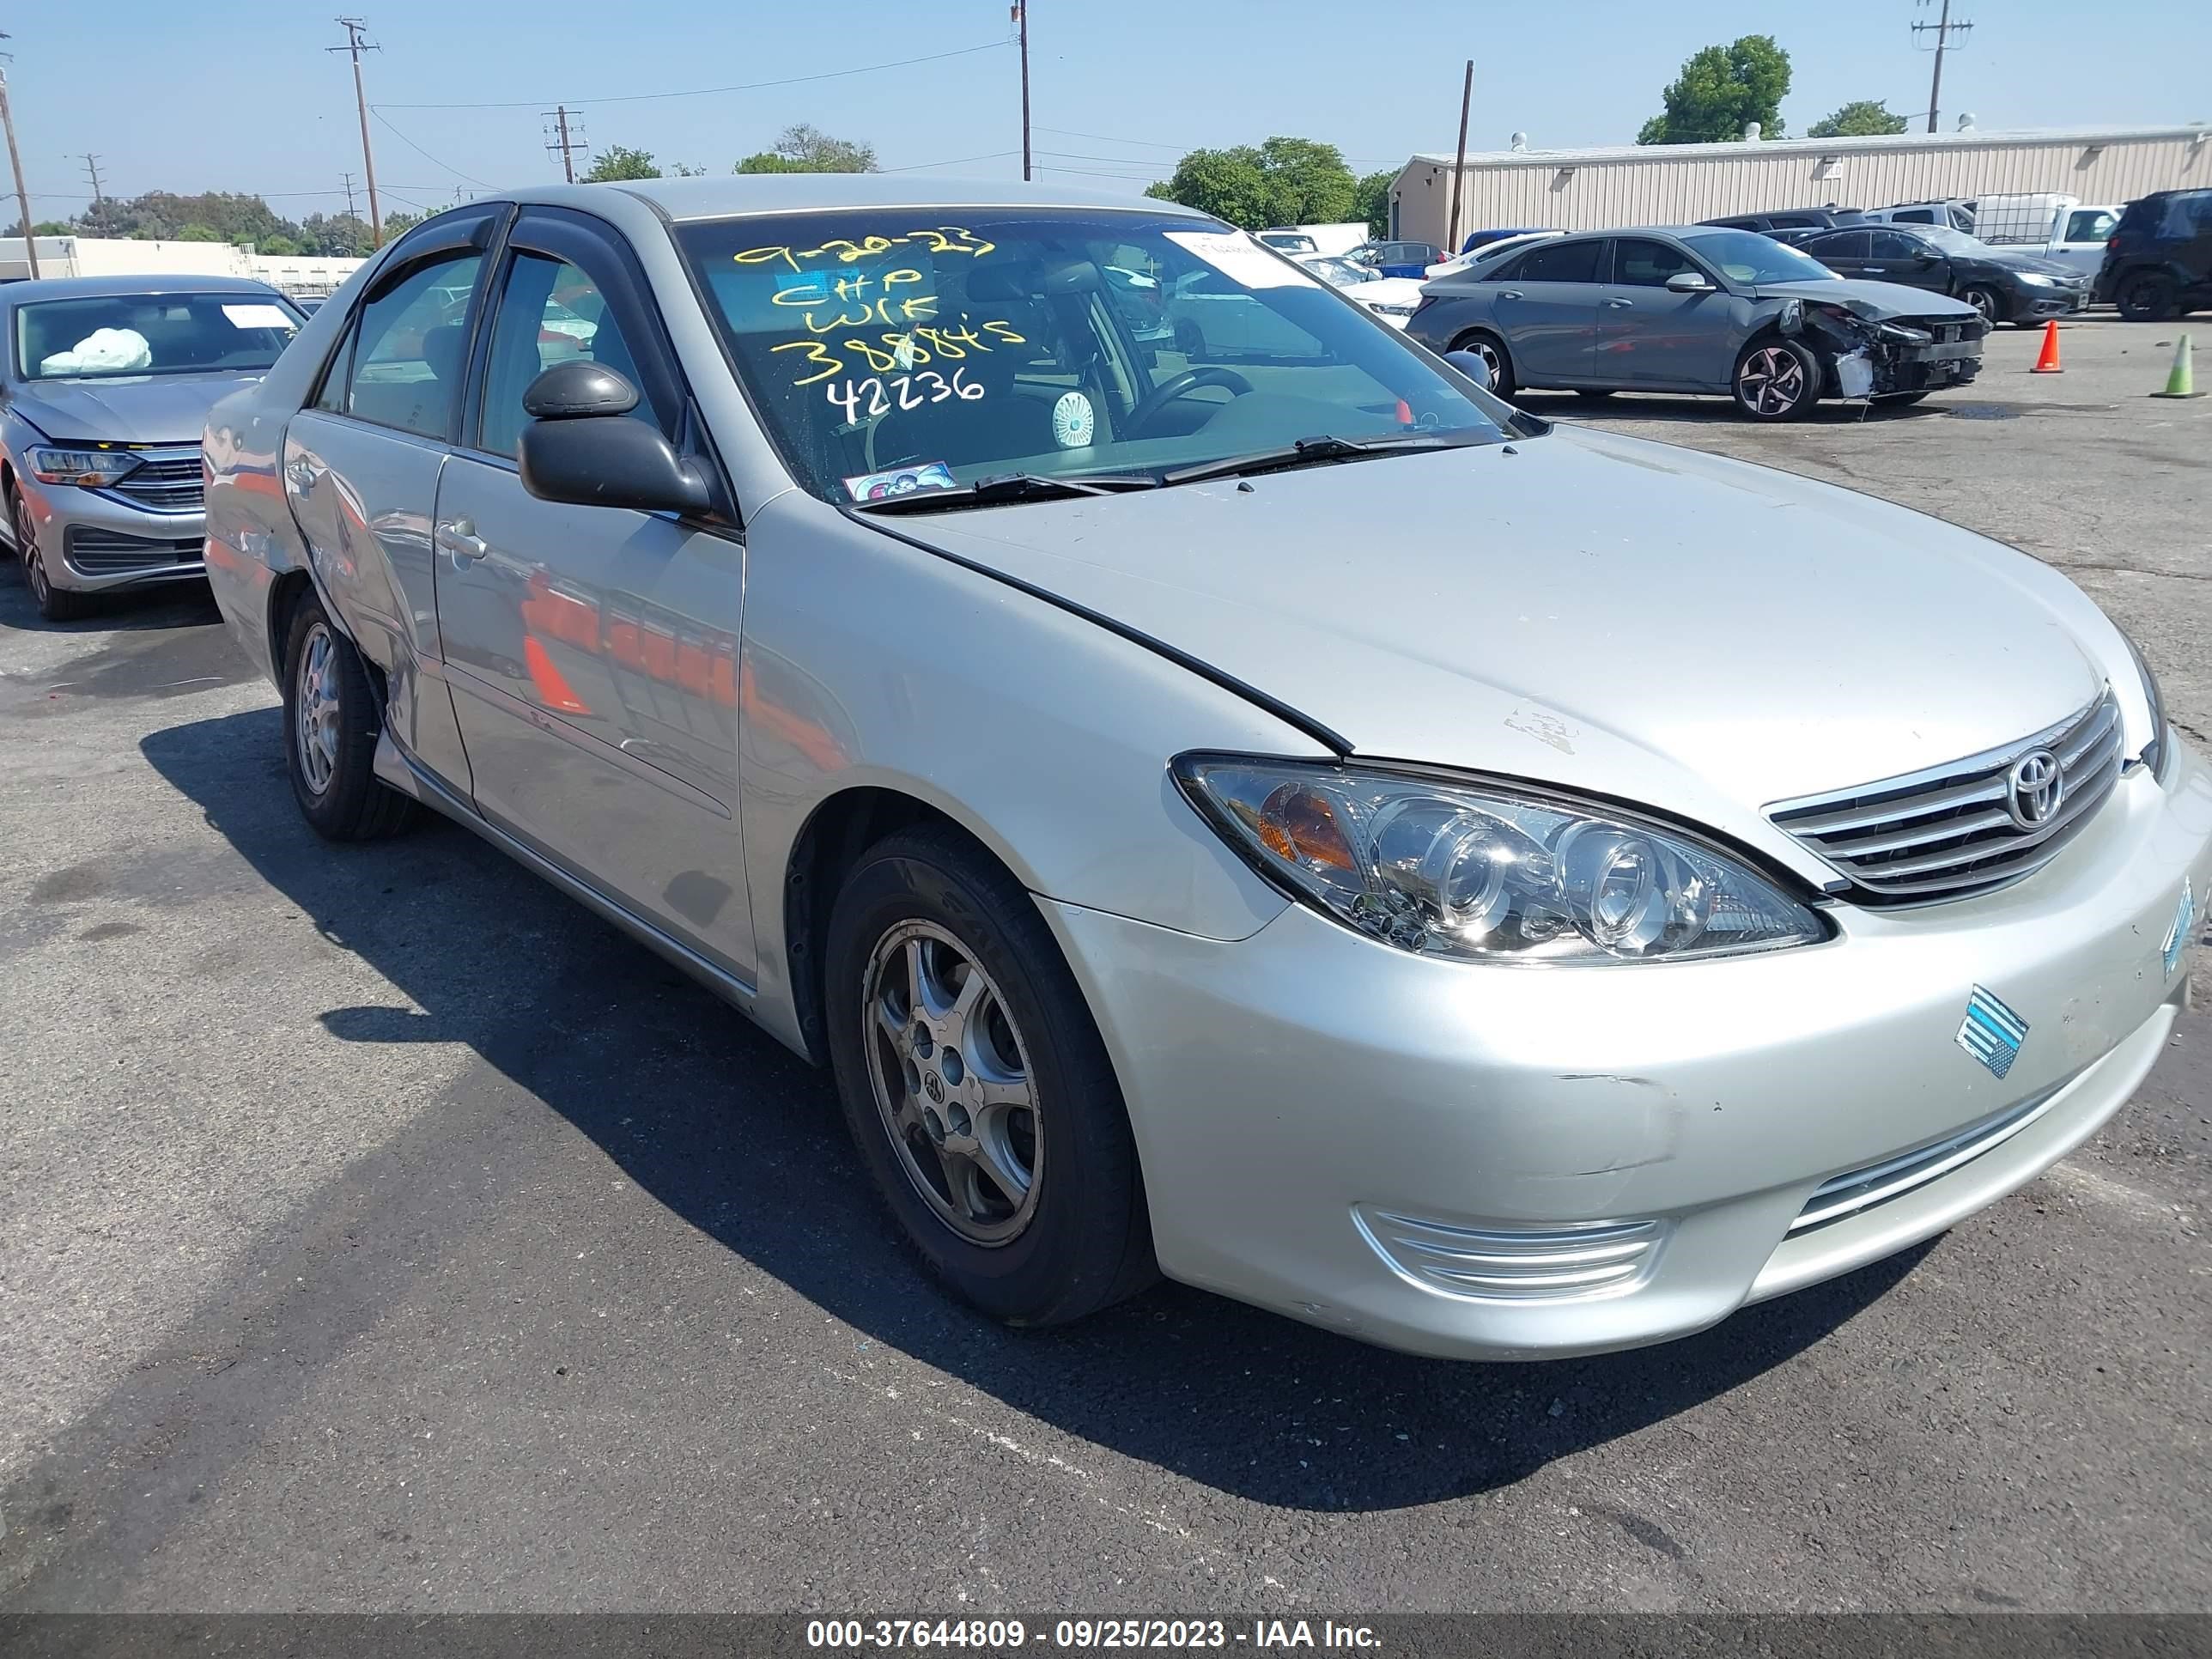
(1547, 307)
(361, 465)
(593, 650)
(1649, 336)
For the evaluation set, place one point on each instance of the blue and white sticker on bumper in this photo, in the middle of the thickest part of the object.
(1992, 1032)
(2177, 941)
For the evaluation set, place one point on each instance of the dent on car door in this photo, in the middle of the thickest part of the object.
(361, 473)
(593, 650)
(1547, 308)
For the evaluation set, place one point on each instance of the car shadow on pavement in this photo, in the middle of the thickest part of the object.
(187, 605)
(744, 1142)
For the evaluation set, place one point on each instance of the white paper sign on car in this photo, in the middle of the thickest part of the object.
(259, 316)
(1235, 255)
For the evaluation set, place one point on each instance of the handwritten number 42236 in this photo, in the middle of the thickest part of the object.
(904, 388)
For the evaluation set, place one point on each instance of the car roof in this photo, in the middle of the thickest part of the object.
(113, 288)
(734, 196)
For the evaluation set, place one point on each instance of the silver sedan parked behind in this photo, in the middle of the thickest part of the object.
(1703, 309)
(1533, 931)
(105, 385)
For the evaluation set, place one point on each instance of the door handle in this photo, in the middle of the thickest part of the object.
(1622, 305)
(302, 474)
(1510, 294)
(459, 538)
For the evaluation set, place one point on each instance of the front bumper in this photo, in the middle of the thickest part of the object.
(2039, 303)
(1305, 1099)
(92, 541)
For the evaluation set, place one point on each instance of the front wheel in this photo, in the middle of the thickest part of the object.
(2150, 298)
(330, 725)
(55, 604)
(1776, 380)
(976, 1087)
(1985, 301)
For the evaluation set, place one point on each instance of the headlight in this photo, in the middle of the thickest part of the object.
(2153, 753)
(1388, 310)
(93, 468)
(2036, 279)
(1904, 335)
(1482, 871)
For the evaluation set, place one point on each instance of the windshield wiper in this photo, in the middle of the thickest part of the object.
(1013, 487)
(1312, 452)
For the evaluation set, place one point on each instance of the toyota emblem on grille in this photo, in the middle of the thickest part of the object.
(2035, 788)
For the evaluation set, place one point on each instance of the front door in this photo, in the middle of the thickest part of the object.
(593, 650)
(1548, 307)
(1899, 257)
(1649, 336)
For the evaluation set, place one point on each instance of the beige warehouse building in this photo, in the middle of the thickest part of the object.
(1681, 184)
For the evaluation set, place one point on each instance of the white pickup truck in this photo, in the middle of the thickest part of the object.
(2053, 227)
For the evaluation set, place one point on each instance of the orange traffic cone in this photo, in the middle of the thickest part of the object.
(2046, 360)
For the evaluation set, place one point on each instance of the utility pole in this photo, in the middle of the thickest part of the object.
(353, 26)
(16, 161)
(1943, 28)
(347, 177)
(92, 171)
(1459, 168)
(1022, 22)
(566, 143)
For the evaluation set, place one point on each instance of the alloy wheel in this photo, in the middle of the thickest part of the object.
(315, 716)
(1772, 381)
(952, 1082)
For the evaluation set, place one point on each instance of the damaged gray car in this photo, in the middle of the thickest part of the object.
(1700, 309)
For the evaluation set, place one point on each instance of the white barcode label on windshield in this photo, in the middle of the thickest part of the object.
(257, 316)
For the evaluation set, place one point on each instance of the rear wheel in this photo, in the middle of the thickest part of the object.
(1492, 351)
(976, 1087)
(331, 719)
(55, 604)
(1776, 380)
(2150, 297)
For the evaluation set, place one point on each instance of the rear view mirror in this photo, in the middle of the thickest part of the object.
(1688, 282)
(1468, 363)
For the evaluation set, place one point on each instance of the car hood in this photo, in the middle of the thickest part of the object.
(1385, 290)
(143, 409)
(1879, 300)
(1600, 612)
(2034, 262)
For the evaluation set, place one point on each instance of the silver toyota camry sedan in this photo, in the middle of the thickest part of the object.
(1275, 815)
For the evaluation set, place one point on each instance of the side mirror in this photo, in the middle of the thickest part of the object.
(1468, 363)
(1688, 282)
(581, 447)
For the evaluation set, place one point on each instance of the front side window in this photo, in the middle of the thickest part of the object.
(1639, 262)
(1744, 257)
(889, 351)
(2089, 225)
(412, 346)
(1896, 244)
(1560, 262)
(101, 338)
(550, 313)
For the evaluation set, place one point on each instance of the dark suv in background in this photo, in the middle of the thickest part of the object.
(1790, 219)
(2159, 262)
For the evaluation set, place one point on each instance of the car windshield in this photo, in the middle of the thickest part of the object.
(1746, 256)
(1950, 240)
(891, 351)
(150, 334)
(1338, 273)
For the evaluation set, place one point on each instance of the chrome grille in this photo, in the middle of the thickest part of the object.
(1513, 1263)
(1855, 1190)
(166, 483)
(111, 552)
(1948, 831)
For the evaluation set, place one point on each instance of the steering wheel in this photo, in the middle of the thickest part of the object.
(1167, 391)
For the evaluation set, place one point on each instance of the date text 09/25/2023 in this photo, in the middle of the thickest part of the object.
(1083, 1635)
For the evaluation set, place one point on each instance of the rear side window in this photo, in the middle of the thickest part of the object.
(1914, 216)
(412, 347)
(1846, 244)
(1560, 262)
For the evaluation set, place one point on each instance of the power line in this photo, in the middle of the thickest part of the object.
(426, 155)
(1108, 137)
(958, 160)
(708, 92)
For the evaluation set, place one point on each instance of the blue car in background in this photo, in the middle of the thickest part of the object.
(1401, 259)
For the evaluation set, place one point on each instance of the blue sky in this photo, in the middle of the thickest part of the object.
(193, 98)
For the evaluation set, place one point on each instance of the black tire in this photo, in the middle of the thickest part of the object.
(1764, 386)
(350, 803)
(1986, 299)
(2149, 296)
(1492, 351)
(55, 604)
(1087, 1241)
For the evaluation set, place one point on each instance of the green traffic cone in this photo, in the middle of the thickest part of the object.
(2182, 382)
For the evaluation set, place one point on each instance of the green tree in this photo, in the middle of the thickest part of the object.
(1719, 91)
(199, 233)
(807, 149)
(1285, 182)
(334, 236)
(277, 246)
(1863, 117)
(1371, 202)
(620, 162)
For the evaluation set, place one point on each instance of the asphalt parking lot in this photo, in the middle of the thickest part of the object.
(378, 1231)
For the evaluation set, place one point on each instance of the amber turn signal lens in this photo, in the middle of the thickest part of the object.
(1299, 824)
